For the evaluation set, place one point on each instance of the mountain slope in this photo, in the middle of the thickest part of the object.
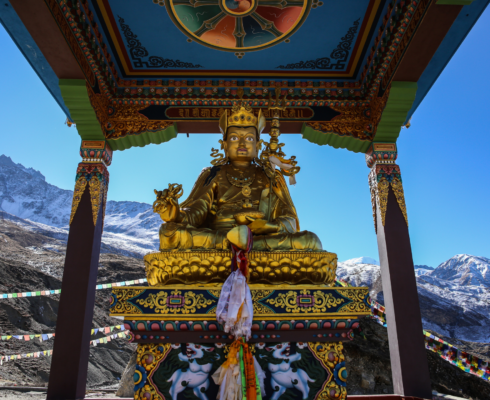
(464, 269)
(130, 226)
(450, 302)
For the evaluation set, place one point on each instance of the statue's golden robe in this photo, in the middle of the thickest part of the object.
(208, 214)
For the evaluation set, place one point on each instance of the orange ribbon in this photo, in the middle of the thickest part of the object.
(250, 379)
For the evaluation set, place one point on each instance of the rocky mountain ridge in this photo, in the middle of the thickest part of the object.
(129, 226)
(450, 304)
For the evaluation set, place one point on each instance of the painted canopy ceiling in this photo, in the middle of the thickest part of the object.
(154, 39)
(153, 68)
(150, 68)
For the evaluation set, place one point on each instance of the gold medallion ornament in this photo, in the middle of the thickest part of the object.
(241, 181)
(246, 191)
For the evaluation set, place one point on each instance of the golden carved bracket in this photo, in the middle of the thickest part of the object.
(80, 185)
(119, 120)
(381, 178)
(97, 178)
(360, 122)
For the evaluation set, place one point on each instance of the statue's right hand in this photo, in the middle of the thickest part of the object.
(167, 203)
(170, 212)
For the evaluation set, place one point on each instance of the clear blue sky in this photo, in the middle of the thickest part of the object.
(443, 157)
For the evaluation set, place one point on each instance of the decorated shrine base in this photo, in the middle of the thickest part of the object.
(297, 335)
(293, 370)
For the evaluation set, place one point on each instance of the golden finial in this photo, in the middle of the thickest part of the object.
(273, 152)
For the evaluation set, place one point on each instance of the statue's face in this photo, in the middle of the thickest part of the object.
(241, 144)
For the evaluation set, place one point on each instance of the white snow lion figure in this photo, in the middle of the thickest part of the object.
(283, 377)
(196, 376)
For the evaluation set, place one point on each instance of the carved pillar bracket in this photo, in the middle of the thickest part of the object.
(384, 173)
(96, 155)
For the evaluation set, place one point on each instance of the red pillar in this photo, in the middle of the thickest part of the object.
(68, 376)
(407, 351)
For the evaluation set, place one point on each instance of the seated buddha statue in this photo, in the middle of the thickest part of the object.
(240, 189)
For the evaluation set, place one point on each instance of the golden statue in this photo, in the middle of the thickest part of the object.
(240, 189)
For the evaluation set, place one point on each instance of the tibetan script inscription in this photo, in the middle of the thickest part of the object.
(214, 113)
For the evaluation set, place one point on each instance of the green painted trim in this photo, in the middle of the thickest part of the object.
(334, 140)
(75, 96)
(402, 96)
(454, 2)
(144, 138)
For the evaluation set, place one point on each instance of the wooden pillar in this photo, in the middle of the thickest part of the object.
(407, 351)
(68, 376)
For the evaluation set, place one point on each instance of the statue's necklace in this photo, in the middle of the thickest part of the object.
(242, 181)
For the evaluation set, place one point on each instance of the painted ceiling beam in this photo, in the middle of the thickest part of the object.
(75, 96)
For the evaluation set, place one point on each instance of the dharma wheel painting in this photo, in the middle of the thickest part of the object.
(238, 25)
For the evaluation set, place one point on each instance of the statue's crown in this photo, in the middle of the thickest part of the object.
(242, 115)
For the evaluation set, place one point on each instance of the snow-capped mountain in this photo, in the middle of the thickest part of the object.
(130, 226)
(359, 274)
(362, 260)
(454, 298)
(464, 269)
(25, 193)
(422, 269)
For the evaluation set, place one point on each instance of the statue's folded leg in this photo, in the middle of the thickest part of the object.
(183, 237)
(303, 240)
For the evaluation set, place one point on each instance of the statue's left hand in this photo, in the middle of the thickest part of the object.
(262, 227)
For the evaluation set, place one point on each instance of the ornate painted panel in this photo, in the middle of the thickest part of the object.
(291, 370)
(198, 302)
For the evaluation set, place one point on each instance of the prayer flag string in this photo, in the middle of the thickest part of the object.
(37, 354)
(46, 336)
(58, 291)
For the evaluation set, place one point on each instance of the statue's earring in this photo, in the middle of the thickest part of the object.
(219, 158)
